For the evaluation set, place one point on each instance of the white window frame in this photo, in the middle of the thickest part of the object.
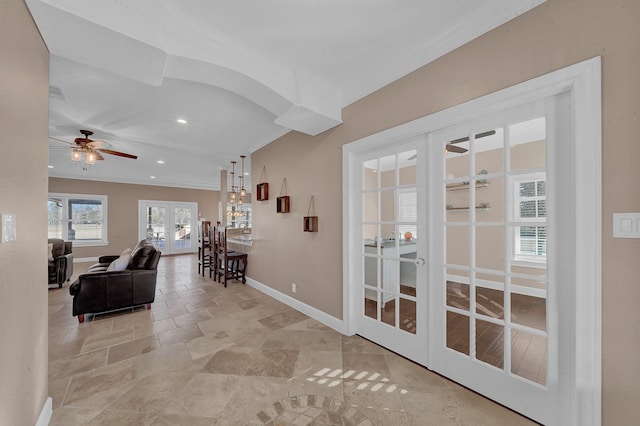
(64, 198)
(519, 259)
(403, 227)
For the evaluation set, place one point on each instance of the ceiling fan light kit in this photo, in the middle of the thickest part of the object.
(91, 150)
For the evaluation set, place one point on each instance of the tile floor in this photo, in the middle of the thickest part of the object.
(209, 355)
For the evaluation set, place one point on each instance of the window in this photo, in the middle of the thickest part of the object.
(407, 212)
(239, 216)
(78, 218)
(530, 209)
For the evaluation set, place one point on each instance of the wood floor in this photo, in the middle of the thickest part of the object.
(528, 350)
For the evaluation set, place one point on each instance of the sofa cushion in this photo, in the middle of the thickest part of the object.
(120, 264)
(50, 247)
(141, 255)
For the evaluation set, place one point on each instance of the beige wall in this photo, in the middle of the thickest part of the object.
(24, 96)
(123, 208)
(554, 35)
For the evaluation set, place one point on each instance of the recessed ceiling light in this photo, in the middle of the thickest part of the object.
(181, 121)
(160, 162)
(51, 167)
(152, 177)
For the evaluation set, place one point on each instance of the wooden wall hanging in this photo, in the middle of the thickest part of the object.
(262, 189)
(311, 220)
(283, 203)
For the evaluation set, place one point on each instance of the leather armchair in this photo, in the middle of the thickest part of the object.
(100, 290)
(61, 261)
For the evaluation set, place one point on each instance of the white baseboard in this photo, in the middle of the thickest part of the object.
(84, 259)
(45, 413)
(317, 314)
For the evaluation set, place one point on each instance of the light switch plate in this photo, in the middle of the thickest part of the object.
(626, 225)
(8, 227)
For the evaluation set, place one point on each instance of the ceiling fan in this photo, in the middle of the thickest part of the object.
(92, 150)
(451, 145)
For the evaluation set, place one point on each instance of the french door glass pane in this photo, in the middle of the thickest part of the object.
(529, 311)
(182, 227)
(457, 245)
(156, 226)
(458, 295)
(370, 207)
(388, 309)
(458, 332)
(408, 315)
(490, 192)
(371, 303)
(528, 145)
(490, 247)
(490, 302)
(490, 343)
(489, 148)
(529, 356)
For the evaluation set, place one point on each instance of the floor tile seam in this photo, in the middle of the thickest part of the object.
(81, 354)
(154, 334)
(66, 391)
(109, 346)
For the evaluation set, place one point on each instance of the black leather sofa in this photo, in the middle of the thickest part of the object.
(60, 261)
(100, 290)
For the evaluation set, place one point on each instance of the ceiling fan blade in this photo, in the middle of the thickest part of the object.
(456, 149)
(118, 153)
(60, 140)
(96, 144)
(478, 136)
(98, 155)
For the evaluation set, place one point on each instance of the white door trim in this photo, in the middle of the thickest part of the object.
(583, 82)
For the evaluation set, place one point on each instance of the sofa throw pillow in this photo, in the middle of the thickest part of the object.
(120, 264)
(141, 255)
(50, 252)
(125, 251)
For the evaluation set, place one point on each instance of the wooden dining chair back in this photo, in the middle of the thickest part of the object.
(204, 247)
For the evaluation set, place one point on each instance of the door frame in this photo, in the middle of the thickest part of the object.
(582, 322)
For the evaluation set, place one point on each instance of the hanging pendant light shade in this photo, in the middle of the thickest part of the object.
(90, 157)
(76, 155)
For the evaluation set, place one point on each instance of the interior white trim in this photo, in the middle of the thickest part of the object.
(315, 313)
(583, 82)
(45, 413)
(84, 259)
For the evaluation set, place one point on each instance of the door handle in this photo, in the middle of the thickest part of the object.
(420, 261)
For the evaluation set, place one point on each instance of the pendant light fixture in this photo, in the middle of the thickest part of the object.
(243, 192)
(232, 194)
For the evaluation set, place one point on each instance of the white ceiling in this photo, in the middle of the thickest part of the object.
(242, 73)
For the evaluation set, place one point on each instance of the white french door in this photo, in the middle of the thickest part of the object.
(168, 225)
(498, 285)
(496, 212)
(389, 297)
